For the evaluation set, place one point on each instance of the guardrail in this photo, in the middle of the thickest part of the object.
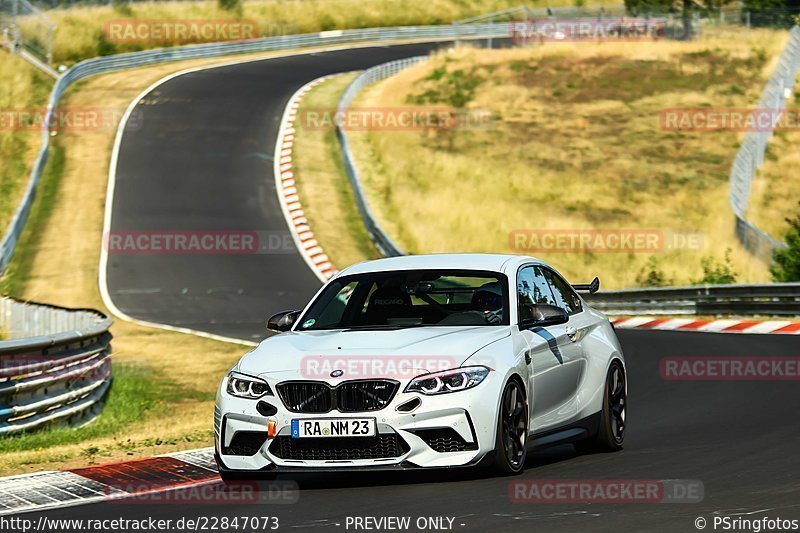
(382, 241)
(55, 365)
(754, 145)
(103, 65)
(778, 299)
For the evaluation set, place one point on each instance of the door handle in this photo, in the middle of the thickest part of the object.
(572, 333)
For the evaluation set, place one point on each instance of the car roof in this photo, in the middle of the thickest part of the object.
(469, 261)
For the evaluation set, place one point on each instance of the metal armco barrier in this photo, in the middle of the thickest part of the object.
(102, 65)
(382, 241)
(778, 299)
(751, 152)
(55, 365)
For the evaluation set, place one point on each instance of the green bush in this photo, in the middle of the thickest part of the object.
(230, 5)
(651, 275)
(455, 88)
(104, 46)
(786, 263)
(715, 273)
(122, 7)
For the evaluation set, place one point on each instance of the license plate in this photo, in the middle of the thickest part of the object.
(333, 427)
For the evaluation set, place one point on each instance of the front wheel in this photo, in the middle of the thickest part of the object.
(611, 432)
(512, 431)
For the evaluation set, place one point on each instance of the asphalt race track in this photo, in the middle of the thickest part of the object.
(202, 161)
(738, 438)
(198, 157)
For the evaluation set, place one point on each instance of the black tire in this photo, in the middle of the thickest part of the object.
(613, 418)
(512, 431)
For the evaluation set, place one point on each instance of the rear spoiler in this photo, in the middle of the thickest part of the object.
(591, 288)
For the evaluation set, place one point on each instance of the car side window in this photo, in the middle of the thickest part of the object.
(532, 289)
(566, 298)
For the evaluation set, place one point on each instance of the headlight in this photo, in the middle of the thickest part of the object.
(244, 386)
(448, 380)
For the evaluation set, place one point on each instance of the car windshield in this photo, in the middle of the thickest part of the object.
(409, 298)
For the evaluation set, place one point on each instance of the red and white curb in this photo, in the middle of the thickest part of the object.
(50, 490)
(286, 187)
(772, 327)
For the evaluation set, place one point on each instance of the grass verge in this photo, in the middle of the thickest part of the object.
(83, 31)
(576, 143)
(775, 193)
(16, 275)
(23, 92)
(325, 191)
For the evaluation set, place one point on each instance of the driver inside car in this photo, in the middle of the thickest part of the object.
(488, 300)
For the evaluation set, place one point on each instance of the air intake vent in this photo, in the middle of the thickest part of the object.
(409, 406)
(245, 443)
(382, 446)
(445, 440)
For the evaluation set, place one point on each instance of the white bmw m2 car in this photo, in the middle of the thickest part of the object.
(425, 361)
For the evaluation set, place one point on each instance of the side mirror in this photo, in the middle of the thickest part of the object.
(545, 315)
(282, 321)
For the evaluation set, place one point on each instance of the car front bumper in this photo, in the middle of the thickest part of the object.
(448, 430)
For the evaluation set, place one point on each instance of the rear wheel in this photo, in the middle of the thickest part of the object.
(611, 433)
(512, 431)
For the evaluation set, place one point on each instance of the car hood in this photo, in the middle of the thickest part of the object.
(426, 348)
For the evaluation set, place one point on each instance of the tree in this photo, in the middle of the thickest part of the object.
(687, 9)
(786, 262)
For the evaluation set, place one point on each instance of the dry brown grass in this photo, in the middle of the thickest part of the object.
(776, 190)
(577, 144)
(80, 32)
(22, 89)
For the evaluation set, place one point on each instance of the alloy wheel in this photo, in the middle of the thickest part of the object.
(617, 399)
(515, 425)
